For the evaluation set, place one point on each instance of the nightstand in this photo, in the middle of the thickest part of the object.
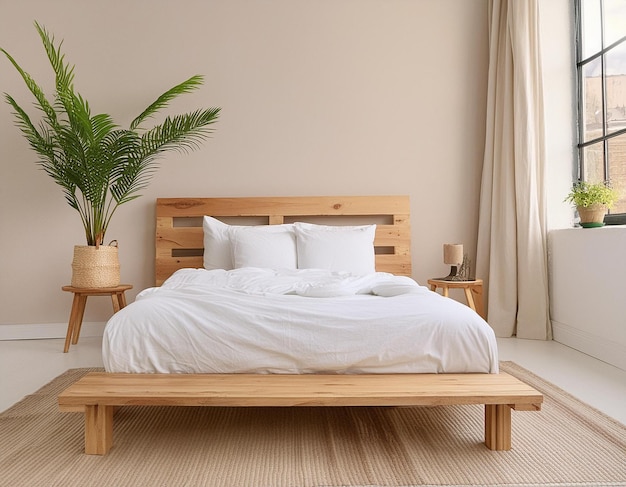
(473, 291)
(80, 300)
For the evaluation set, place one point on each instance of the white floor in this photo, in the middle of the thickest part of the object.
(26, 365)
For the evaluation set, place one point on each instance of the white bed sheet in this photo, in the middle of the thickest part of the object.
(254, 320)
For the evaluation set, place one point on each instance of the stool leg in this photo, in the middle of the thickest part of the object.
(82, 302)
(119, 301)
(122, 299)
(445, 290)
(115, 299)
(71, 323)
(470, 298)
(477, 293)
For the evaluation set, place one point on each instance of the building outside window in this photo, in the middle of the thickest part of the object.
(601, 65)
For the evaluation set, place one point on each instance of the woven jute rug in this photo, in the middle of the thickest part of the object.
(567, 443)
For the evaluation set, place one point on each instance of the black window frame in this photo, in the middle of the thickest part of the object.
(611, 218)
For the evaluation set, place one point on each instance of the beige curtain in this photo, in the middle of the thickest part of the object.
(512, 256)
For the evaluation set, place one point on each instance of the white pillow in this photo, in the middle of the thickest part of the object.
(217, 254)
(337, 248)
(266, 246)
(218, 251)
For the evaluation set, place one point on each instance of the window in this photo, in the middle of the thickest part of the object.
(601, 66)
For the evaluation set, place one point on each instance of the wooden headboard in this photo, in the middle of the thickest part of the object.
(179, 236)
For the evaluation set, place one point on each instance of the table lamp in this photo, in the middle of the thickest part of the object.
(453, 256)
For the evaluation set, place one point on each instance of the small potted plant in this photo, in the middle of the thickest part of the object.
(592, 200)
(98, 164)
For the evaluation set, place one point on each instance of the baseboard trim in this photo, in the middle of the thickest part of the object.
(38, 331)
(598, 347)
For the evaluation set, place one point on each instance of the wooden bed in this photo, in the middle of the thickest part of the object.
(179, 244)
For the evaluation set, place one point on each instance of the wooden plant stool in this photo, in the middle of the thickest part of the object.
(98, 394)
(473, 292)
(80, 300)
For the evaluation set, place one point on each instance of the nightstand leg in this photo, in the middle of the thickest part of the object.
(82, 303)
(119, 301)
(470, 298)
(71, 323)
(477, 293)
(115, 299)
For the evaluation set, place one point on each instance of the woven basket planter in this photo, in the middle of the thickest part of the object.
(95, 267)
(592, 216)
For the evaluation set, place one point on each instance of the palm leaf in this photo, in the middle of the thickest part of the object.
(64, 73)
(98, 165)
(181, 132)
(162, 101)
(42, 146)
(40, 97)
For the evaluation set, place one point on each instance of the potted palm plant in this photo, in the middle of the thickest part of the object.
(98, 164)
(592, 200)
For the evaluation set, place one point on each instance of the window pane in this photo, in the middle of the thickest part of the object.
(591, 27)
(602, 91)
(614, 21)
(617, 169)
(592, 99)
(616, 88)
(594, 162)
(616, 60)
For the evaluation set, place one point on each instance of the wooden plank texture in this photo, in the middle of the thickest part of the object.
(297, 390)
(284, 205)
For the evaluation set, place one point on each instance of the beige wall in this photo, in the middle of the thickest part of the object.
(336, 97)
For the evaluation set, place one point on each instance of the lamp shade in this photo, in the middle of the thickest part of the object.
(452, 254)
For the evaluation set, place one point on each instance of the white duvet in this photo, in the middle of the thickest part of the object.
(254, 320)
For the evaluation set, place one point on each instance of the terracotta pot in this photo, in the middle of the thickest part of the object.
(592, 216)
(95, 267)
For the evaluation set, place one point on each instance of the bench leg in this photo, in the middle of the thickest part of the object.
(498, 426)
(98, 429)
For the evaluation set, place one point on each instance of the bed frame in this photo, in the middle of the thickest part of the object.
(179, 242)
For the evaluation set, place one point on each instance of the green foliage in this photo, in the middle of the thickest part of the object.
(99, 165)
(586, 194)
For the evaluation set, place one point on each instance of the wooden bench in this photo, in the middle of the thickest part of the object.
(98, 394)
